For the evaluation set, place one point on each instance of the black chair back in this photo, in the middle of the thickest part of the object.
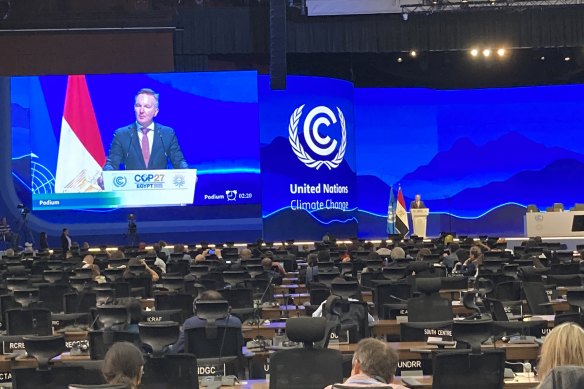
(34, 321)
(26, 297)
(44, 348)
(390, 293)
(521, 329)
(227, 342)
(457, 282)
(537, 299)
(496, 309)
(52, 296)
(54, 276)
(58, 377)
(178, 268)
(576, 299)
(429, 307)
(172, 283)
(564, 280)
(456, 369)
(318, 367)
(100, 341)
(472, 332)
(112, 315)
(159, 335)
(114, 274)
(182, 301)
(173, 371)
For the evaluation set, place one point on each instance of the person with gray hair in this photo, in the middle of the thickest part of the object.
(374, 365)
(397, 253)
(245, 254)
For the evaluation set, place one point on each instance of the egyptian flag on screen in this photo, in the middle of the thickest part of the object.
(401, 216)
(81, 154)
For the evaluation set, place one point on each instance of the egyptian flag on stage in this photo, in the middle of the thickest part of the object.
(401, 216)
(81, 154)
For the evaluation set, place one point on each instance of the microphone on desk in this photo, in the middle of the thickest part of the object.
(397, 298)
(526, 366)
(257, 320)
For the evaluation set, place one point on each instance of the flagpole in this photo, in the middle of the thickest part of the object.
(393, 211)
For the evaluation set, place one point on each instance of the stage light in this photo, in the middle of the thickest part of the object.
(474, 52)
(542, 58)
(487, 52)
(501, 52)
(567, 59)
(399, 59)
(413, 54)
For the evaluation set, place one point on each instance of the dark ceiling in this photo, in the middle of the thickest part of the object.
(365, 49)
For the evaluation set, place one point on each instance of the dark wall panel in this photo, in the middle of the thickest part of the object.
(115, 51)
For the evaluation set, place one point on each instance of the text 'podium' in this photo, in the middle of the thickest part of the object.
(419, 219)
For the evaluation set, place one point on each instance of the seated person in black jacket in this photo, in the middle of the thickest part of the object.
(195, 322)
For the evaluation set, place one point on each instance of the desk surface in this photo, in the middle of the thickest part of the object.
(519, 382)
(415, 350)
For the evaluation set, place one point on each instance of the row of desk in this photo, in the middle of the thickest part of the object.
(379, 328)
(521, 381)
(285, 311)
(420, 350)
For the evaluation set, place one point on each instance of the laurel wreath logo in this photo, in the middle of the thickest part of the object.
(299, 150)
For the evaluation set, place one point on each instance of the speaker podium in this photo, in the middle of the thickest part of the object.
(419, 218)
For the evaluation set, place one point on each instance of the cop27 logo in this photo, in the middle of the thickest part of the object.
(323, 147)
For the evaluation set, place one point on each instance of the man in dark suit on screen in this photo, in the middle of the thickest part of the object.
(417, 203)
(145, 144)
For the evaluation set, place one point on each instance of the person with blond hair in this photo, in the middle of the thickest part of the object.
(563, 346)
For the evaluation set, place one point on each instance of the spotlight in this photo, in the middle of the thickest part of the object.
(399, 59)
(405, 16)
(501, 52)
(474, 52)
(413, 54)
(542, 58)
(487, 52)
(567, 59)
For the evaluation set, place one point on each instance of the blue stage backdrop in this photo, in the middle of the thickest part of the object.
(328, 154)
(477, 157)
(308, 159)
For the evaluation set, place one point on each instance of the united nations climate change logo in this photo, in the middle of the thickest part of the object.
(120, 181)
(321, 146)
(179, 180)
